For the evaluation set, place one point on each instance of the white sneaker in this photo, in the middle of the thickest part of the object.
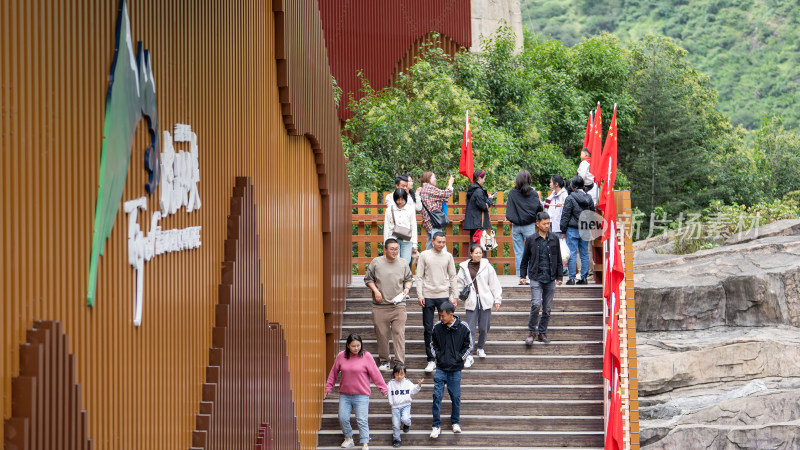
(348, 442)
(469, 361)
(456, 428)
(435, 432)
(430, 367)
(365, 447)
(481, 353)
(385, 367)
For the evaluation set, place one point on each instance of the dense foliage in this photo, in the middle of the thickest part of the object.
(527, 111)
(677, 153)
(749, 47)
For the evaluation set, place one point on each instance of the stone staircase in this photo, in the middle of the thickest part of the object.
(545, 396)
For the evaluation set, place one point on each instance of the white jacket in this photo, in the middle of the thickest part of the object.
(400, 393)
(555, 211)
(488, 285)
(405, 217)
(583, 171)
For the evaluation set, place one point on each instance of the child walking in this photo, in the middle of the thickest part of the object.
(400, 391)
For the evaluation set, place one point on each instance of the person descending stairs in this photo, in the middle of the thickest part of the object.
(516, 396)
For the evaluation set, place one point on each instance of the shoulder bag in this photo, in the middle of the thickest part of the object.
(463, 295)
(401, 232)
(438, 218)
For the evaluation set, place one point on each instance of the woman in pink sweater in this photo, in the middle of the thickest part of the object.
(357, 367)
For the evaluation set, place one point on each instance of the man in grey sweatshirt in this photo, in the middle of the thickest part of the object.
(436, 284)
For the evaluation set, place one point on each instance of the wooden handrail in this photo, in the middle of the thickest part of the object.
(368, 217)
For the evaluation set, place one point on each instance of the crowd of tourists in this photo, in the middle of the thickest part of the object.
(542, 231)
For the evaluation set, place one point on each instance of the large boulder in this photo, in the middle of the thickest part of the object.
(674, 360)
(770, 421)
(750, 284)
(720, 388)
(719, 343)
(786, 227)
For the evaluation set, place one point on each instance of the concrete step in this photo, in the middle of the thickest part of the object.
(496, 347)
(479, 376)
(499, 318)
(487, 422)
(487, 407)
(522, 304)
(572, 292)
(479, 421)
(509, 392)
(504, 333)
(504, 362)
(473, 439)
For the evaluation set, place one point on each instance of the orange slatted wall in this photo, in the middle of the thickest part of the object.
(215, 69)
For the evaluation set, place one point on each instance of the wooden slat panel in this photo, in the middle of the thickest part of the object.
(215, 68)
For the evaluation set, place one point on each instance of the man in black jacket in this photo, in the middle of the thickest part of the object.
(541, 262)
(521, 208)
(451, 344)
(577, 202)
(476, 214)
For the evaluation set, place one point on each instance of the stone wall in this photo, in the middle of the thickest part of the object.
(487, 16)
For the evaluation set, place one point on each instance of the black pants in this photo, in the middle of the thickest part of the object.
(427, 321)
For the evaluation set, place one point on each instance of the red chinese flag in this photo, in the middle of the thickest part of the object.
(611, 352)
(588, 133)
(465, 166)
(596, 143)
(614, 437)
(614, 274)
(614, 261)
(608, 166)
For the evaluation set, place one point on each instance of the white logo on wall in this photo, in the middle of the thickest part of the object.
(180, 173)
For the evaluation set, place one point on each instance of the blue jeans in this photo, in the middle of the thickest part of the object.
(400, 416)
(405, 249)
(519, 233)
(429, 244)
(541, 297)
(453, 381)
(359, 404)
(575, 244)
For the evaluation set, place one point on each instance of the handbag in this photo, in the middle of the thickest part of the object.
(401, 232)
(438, 218)
(463, 295)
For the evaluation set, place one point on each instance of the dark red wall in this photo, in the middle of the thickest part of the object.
(372, 36)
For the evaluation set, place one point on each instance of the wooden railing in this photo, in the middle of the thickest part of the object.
(629, 382)
(368, 217)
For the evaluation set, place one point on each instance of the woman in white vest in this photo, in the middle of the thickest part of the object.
(400, 222)
(485, 293)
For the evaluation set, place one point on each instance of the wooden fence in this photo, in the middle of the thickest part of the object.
(368, 220)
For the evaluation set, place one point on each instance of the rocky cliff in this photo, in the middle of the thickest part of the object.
(719, 343)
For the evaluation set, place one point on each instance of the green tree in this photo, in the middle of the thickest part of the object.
(667, 153)
(777, 158)
(417, 125)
